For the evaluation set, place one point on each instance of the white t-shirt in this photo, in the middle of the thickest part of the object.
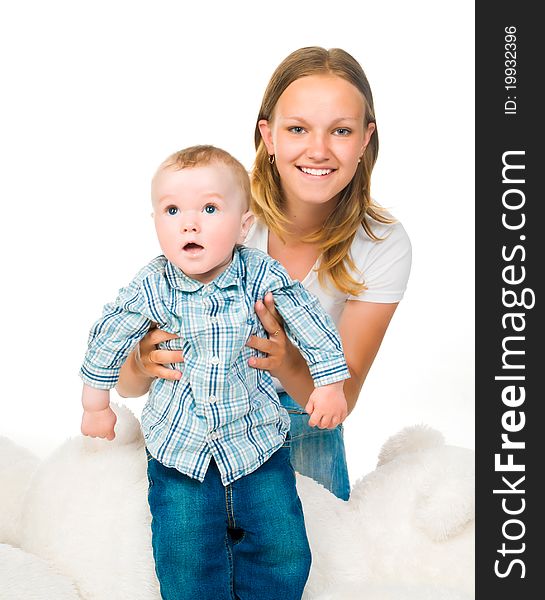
(383, 266)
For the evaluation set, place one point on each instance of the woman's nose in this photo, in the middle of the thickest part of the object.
(317, 147)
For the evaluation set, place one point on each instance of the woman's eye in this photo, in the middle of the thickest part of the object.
(342, 131)
(210, 209)
(172, 210)
(296, 129)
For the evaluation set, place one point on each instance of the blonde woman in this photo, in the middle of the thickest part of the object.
(317, 142)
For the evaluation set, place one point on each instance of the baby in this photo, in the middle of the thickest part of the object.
(222, 490)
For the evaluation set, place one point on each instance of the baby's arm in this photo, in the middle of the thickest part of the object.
(313, 332)
(111, 340)
(98, 418)
(122, 325)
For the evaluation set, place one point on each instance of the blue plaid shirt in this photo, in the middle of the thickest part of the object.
(220, 407)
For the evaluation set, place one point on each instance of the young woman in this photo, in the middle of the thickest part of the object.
(317, 142)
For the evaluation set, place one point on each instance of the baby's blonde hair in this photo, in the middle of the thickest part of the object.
(355, 205)
(203, 155)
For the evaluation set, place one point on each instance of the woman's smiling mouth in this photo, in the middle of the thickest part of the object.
(315, 172)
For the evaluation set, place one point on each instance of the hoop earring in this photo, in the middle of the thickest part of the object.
(271, 159)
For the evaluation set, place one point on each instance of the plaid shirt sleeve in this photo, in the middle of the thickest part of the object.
(308, 326)
(122, 325)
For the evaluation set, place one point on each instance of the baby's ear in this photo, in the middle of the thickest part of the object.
(246, 221)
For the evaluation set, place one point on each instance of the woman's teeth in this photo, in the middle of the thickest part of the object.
(317, 172)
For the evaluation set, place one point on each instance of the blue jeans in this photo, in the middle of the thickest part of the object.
(246, 541)
(317, 453)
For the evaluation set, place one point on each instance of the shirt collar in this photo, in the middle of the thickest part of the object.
(231, 276)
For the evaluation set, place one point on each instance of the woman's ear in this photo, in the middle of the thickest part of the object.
(266, 134)
(367, 136)
(246, 221)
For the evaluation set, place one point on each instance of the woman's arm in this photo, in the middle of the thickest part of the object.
(145, 363)
(362, 328)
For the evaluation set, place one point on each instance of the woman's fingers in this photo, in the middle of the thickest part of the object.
(163, 372)
(156, 336)
(151, 360)
(264, 363)
(257, 343)
(275, 346)
(274, 349)
(270, 322)
(165, 357)
(270, 306)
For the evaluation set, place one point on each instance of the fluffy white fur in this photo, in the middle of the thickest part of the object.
(82, 519)
(24, 576)
(16, 468)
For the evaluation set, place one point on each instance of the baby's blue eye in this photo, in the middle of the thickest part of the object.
(210, 209)
(296, 129)
(172, 210)
(343, 131)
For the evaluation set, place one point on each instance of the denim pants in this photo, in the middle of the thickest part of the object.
(317, 453)
(245, 541)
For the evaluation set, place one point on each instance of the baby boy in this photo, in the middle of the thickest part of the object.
(222, 490)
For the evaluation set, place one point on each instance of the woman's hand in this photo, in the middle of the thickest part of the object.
(145, 363)
(283, 359)
(276, 346)
(150, 360)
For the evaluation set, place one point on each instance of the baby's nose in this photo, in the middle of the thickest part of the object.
(189, 226)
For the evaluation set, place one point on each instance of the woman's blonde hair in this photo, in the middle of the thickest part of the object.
(355, 205)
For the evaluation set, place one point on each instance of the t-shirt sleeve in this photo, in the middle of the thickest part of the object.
(385, 268)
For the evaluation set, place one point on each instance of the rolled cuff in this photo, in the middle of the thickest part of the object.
(99, 377)
(330, 371)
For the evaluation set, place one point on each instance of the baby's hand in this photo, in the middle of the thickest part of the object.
(99, 423)
(98, 418)
(327, 406)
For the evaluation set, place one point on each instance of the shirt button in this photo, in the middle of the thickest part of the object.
(214, 360)
(214, 435)
(213, 319)
(212, 399)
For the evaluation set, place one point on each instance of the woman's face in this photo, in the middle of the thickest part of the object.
(317, 135)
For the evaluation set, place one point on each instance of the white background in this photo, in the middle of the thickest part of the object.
(96, 94)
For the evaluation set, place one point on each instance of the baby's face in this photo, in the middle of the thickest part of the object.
(200, 214)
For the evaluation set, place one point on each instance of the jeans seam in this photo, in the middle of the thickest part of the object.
(229, 507)
(230, 563)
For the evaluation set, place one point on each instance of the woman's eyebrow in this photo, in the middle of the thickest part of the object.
(337, 120)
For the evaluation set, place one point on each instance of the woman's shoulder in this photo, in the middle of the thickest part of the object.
(393, 231)
(384, 264)
(390, 237)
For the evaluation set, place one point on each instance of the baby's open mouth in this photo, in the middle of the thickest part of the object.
(192, 247)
